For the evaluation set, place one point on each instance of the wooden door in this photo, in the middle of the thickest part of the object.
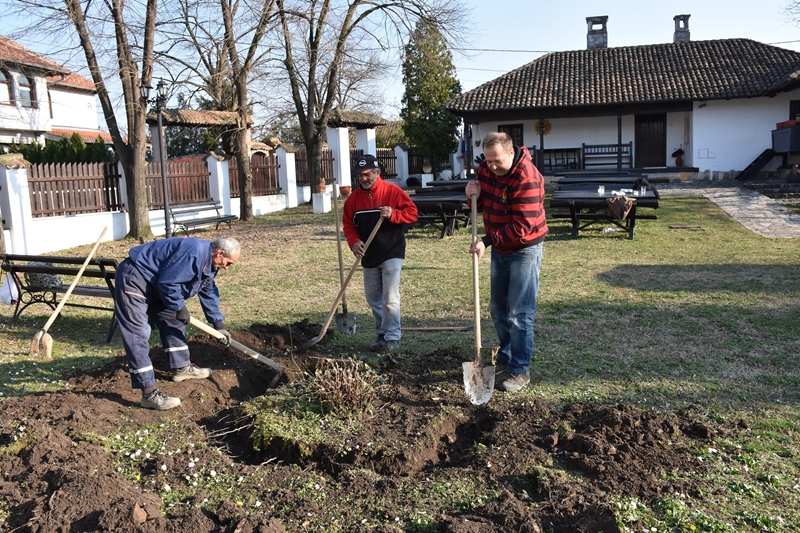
(651, 140)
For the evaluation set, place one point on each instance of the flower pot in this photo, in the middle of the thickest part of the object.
(345, 190)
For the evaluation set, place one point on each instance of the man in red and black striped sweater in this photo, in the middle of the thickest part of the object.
(510, 193)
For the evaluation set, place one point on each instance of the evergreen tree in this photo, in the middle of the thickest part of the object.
(430, 80)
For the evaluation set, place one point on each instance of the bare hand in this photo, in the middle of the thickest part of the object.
(478, 248)
(358, 249)
(473, 188)
(386, 212)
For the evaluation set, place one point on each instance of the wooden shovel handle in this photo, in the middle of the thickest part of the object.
(74, 282)
(349, 276)
(475, 290)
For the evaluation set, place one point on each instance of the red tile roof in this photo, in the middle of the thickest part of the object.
(72, 80)
(88, 136)
(11, 52)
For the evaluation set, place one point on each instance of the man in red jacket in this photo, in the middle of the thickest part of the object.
(383, 260)
(510, 193)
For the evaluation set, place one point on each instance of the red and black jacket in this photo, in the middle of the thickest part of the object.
(362, 211)
(513, 204)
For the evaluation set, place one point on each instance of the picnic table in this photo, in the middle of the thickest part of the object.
(457, 185)
(442, 209)
(587, 207)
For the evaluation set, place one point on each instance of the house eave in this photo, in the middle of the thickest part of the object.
(549, 113)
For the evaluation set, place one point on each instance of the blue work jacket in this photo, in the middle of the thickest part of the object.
(177, 269)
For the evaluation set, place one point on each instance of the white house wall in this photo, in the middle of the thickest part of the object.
(31, 123)
(73, 109)
(730, 134)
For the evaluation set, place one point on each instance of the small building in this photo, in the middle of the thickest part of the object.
(686, 105)
(40, 99)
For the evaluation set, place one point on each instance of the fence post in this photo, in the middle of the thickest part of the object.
(287, 175)
(219, 185)
(16, 202)
(401, 164)
(339, 144)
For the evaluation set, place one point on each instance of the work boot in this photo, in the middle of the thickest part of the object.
(392, 346)
(191, 372)
(515, 382)
(378, 345)
(159, 401)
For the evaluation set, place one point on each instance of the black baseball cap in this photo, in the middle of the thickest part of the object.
(365, 163)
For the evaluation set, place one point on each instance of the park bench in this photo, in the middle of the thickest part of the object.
(38, 280)
(607, 154)
(186, 216)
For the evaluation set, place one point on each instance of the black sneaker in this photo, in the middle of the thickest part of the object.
(191, 372)
(515, 382)
(159, 401)
(378, 345)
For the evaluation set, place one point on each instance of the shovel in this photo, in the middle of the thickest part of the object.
(42, 343)
(478, 379)
(345, 323)
(324, 330)
(242, 348)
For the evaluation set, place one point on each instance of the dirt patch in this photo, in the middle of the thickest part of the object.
(543, 469)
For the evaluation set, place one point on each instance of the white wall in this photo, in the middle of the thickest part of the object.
(722, 135)
(730, 134)
(261, 204)
(30, 123)
(73, 109)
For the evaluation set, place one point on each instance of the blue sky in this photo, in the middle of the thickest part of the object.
(519, 31)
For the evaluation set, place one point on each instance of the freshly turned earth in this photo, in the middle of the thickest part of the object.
(65, 481)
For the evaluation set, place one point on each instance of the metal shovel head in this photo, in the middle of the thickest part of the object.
(42, 345)
(478, 382)
(346, 323)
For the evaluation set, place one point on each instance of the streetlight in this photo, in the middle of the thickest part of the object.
(158, 102)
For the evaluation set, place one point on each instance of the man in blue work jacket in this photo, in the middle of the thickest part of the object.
(152, 286)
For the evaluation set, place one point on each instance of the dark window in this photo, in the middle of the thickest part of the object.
(794, 109)
(27, 92)
(514, 130)
(6, 94)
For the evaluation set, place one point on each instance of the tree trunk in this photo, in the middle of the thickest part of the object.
(245, 171)
(314, 153)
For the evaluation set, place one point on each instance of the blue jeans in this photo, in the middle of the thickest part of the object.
(382, 288)
(515, 283)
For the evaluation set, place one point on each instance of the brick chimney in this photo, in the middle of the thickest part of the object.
(681, 29)
(597, 36)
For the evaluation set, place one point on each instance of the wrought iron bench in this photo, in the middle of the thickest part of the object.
(38, 280)
(186, 216)
(594, 155)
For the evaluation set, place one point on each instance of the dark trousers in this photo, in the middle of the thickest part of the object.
(135, 312)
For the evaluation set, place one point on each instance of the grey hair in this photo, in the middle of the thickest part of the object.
(229, 245)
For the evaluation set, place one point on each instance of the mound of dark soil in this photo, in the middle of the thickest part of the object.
(423, 426)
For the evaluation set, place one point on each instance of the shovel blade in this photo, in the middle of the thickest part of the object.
(346, 323)
(478, 382)
(41, 345)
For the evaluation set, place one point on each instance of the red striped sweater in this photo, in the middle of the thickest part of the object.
(513, 205)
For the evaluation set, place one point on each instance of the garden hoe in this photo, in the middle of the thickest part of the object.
(277, 367)
(345, 322)
(42, 343)
(478, 379)
(324, 330)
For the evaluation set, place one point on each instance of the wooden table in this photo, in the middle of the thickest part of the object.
(442, 208)
(587, 207)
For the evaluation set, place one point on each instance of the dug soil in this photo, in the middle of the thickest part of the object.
(436, 462)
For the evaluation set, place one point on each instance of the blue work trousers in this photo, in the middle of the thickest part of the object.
(382, 288)
(515, 283)
(136, 309)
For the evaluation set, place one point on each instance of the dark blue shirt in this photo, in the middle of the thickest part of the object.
(177, 269)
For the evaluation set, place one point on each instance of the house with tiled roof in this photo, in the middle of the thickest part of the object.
(687, 105)
(40, 99)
